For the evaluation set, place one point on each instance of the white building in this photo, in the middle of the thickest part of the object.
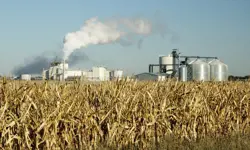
(116, 75)
(72, 73)
(26, 77)
(97, 73)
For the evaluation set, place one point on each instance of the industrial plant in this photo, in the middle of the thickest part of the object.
(174, 65)
(60, 71)
(186, 68)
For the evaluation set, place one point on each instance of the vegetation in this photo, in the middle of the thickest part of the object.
(129, 115)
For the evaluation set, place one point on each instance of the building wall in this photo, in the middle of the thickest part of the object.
(73, 73)
(107, 75)
(147, 76)
(99, 73)
(150, 77)
(116, 74)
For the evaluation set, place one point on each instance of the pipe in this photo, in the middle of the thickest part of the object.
(151, 66)
(198, 57)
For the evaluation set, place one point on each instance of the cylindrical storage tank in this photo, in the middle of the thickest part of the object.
(218, 70)
(183, 73)
(166, 60)
(200, 70)
(26, 77)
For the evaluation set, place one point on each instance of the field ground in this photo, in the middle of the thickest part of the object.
(124, 115)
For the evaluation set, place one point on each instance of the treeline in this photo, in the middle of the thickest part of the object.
(239, 78)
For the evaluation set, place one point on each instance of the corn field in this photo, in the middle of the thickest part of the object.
(119, 114)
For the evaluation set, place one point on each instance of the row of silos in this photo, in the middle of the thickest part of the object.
(199, 70)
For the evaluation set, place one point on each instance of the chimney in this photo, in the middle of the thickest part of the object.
(63, 74)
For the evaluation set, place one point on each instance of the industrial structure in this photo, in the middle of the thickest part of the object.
(60, 71)
(174, 65)
(190, 68)
(26, 77)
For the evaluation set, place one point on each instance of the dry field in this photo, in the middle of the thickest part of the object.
(123, 115)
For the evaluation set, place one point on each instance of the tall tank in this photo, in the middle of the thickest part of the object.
(200, 70)
(26, 77)
(166, 60)
(218, 70)
(183, 73)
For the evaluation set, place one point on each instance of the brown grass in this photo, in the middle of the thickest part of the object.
(44, 115)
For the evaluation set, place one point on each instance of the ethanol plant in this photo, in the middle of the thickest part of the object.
(191, 68)
(61, 71)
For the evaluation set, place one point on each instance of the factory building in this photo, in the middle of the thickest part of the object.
(60, 71)
(97, 74)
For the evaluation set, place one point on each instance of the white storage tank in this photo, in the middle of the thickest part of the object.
(200, 70)
(26, 77)
(218, 70)
(183, 73)
(166, 60)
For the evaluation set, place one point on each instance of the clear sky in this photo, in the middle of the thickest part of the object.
(205, 27)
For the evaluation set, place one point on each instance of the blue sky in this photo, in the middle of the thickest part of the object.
(205, 27)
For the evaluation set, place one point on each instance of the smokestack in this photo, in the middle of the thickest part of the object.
(63, 70)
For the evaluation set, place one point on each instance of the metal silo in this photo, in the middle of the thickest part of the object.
(183, 73)
(166, 60)
(200, 70)
(218, 70)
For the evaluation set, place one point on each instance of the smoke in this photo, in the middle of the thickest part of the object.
(78, 57)
(38, 63)
(93, 32)
(122, 30)
(34, 66)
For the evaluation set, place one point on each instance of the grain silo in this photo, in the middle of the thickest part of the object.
(199, 70)
(218, 70)
(183, 73)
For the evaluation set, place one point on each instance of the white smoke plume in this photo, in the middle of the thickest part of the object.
(95, 32)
